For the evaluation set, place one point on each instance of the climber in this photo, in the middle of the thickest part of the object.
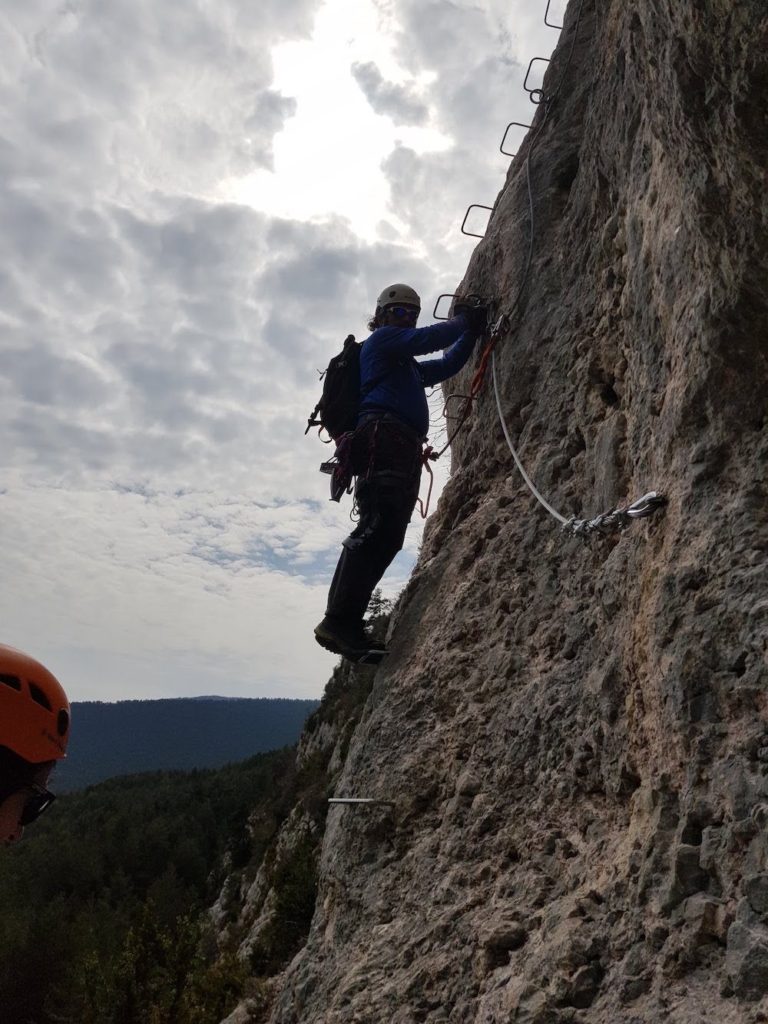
(34, 730)
(386, 451)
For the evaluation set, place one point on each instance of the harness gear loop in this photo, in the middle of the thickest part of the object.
(340, 468)
(372, 449)
(427, 456)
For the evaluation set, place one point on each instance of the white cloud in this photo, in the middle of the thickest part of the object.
(124, 575)
(400, 102)
(198, 205)
(327, 158)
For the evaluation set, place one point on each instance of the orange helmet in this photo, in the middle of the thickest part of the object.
(34, 710)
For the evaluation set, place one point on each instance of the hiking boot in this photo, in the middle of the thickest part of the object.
(348, 639)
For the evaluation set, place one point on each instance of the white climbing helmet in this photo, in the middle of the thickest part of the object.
(398, 294)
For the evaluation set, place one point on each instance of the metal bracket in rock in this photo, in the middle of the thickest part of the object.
(358, 801)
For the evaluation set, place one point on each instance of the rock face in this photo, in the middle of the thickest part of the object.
(264, 909)
(575, 733)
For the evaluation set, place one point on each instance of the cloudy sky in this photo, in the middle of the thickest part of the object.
(200, 199)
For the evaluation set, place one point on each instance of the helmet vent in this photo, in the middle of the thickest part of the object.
(39, 696)
(13, 681)
(62, 723)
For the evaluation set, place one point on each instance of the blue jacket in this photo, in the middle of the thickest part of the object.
(391, 351)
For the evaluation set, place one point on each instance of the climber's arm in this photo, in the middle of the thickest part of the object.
(433, 371)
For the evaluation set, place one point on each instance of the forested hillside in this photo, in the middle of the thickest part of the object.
(152, 735)
(102, 906)
(105, 906)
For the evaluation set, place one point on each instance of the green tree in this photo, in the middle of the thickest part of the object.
(294, 882)
(378, 605)
(102, 907)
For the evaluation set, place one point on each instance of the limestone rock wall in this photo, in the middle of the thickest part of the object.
(576, 734)
(264, 909)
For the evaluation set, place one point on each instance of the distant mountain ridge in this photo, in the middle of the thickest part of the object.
(182, 733)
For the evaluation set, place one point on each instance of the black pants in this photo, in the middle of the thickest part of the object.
(386, 458)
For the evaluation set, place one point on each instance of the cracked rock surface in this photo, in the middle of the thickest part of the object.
(575, 734)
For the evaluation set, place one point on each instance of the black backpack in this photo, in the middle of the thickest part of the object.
(337, 411)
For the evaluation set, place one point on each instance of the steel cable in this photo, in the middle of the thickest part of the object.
(618, 518)
(520, 466)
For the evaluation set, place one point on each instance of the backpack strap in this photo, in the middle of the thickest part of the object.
(313, 421)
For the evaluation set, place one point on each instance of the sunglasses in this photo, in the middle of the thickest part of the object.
(404, 311)
(39, 800)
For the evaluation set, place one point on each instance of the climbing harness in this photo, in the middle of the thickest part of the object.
(341, 468)
(337, 413)
(619, 518)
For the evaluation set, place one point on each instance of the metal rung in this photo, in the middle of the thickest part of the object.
(474, 206)
(445, 295)
(454, 295)
(547, 22)
(358, 801)
(512, 124)
(537, 95)
(453, 398)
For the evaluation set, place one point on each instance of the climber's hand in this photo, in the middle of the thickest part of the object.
(461, 305)
(476, 315)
